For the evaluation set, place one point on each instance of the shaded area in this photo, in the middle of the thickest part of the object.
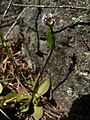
(80, 109)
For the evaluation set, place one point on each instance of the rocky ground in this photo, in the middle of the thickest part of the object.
(69, 66)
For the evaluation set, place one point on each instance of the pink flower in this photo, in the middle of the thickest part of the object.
(48, 19)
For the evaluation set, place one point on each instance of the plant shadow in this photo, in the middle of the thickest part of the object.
(80, 109)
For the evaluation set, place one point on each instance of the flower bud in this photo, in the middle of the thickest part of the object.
(48, 19)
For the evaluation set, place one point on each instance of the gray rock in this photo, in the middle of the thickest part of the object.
(74, 40)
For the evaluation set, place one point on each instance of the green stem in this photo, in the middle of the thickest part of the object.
(46, 61)
(45, 64)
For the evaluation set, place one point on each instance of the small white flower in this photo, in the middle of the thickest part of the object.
(48, 19)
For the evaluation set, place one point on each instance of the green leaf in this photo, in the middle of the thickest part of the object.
(35, 85)
(50, 39)
(38, 112)
(5, 43)
(10, 97)
(31, 82)
(25, 106)
(1, 88)
(2, 41)
(22, 97)
(43, 88)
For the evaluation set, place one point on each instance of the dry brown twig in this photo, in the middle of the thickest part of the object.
(5, 114)
(7, 8)
(51, 113)
(47, 6)
(14, 23)
(9, 33)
